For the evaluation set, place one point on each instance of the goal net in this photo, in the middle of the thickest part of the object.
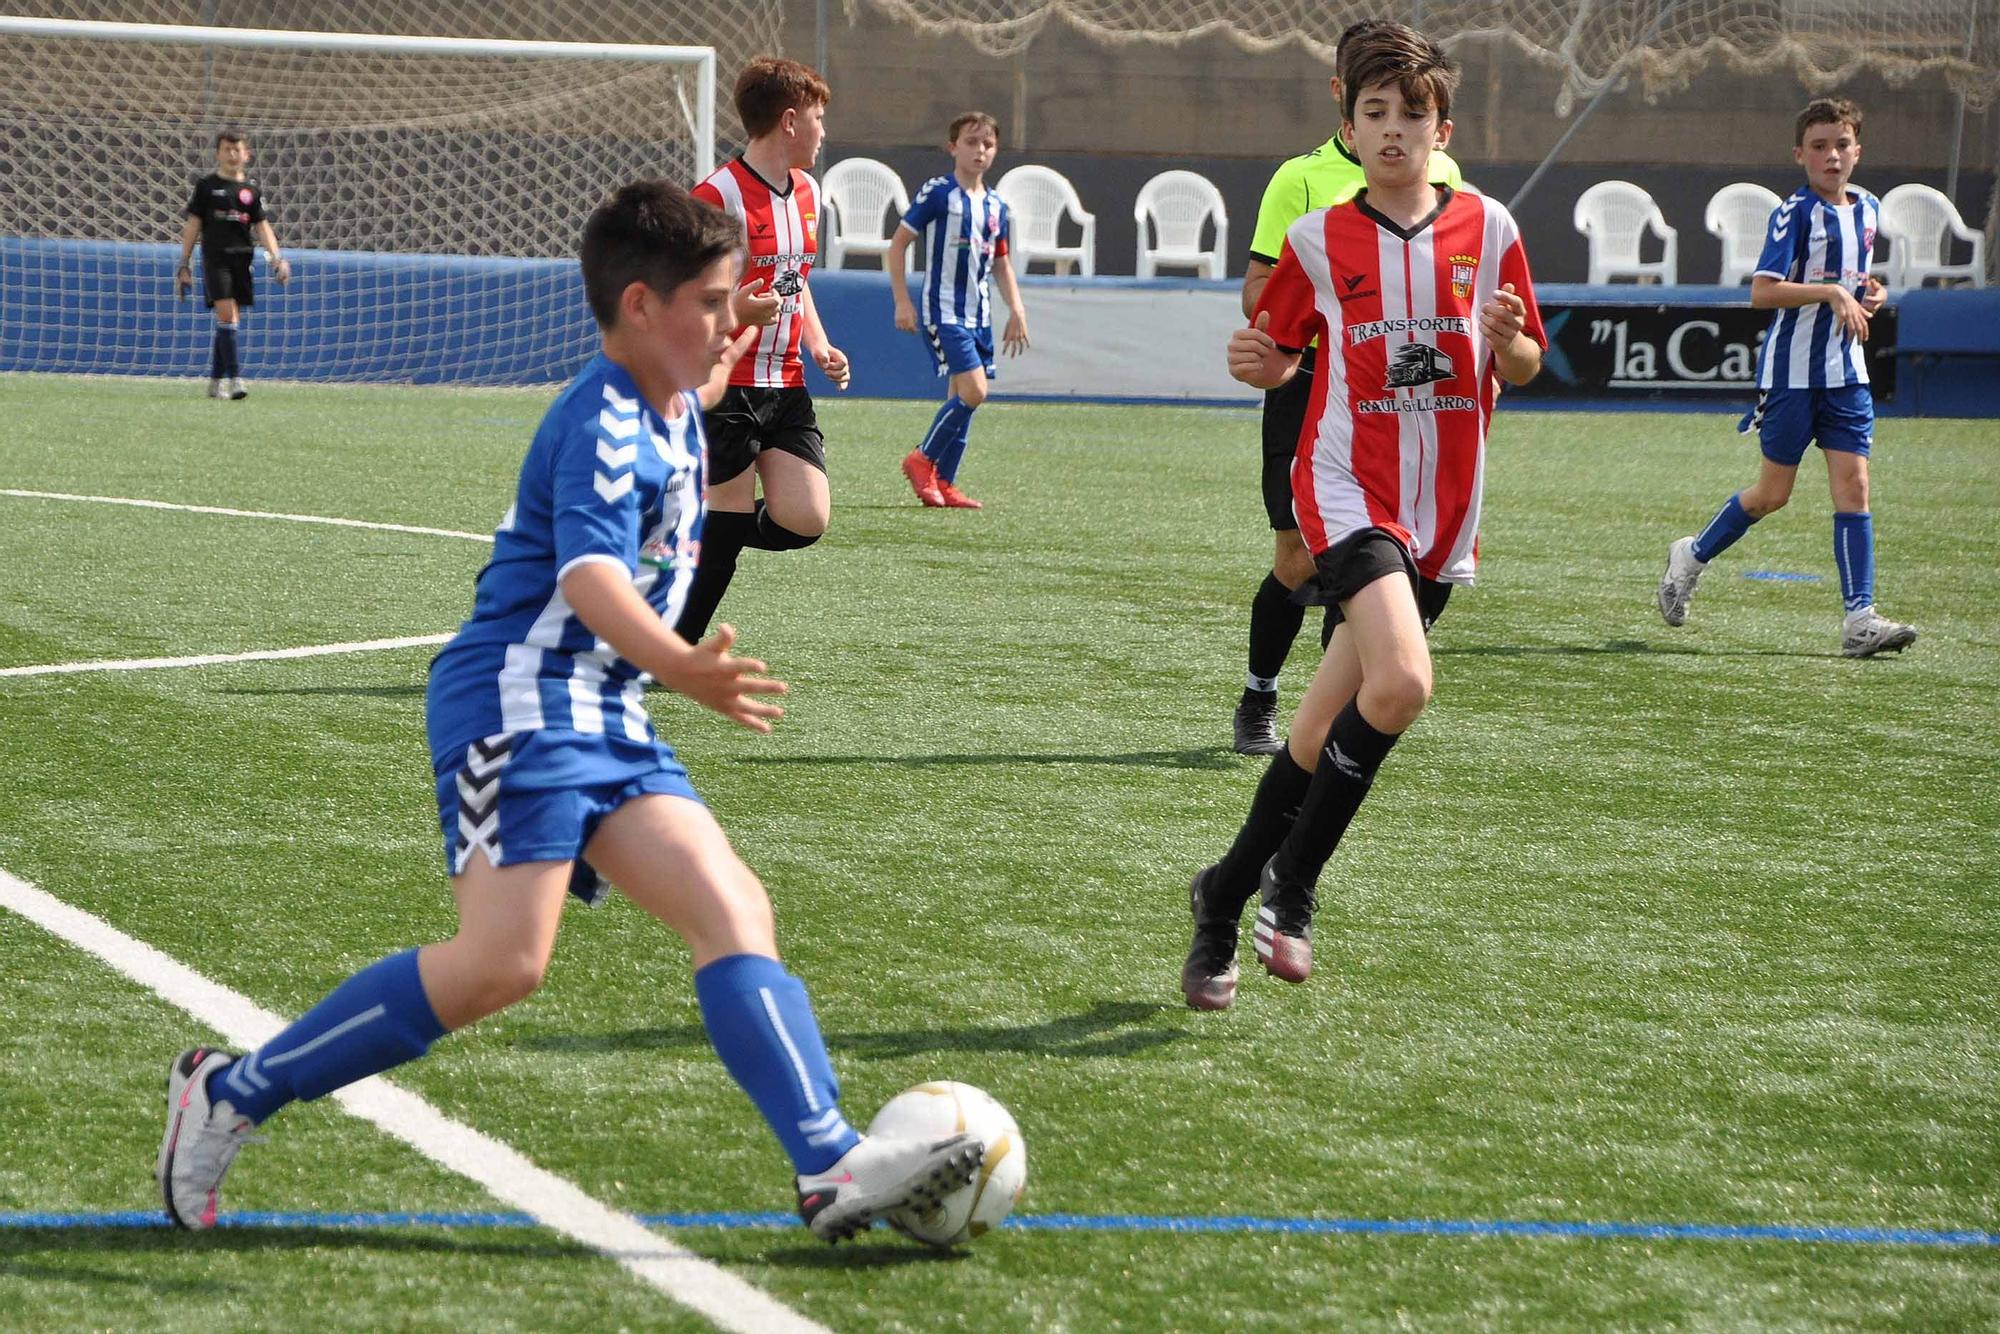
(1660, 43)
(428, 191)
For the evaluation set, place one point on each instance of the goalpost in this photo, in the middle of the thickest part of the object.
(429, 192)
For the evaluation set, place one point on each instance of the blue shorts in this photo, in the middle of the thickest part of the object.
(540, 796)
(956, 348)
(1787, 420)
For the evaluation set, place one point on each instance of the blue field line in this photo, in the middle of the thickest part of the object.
(1781, 577)
(1421, 1227)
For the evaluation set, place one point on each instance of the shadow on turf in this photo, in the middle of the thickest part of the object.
(15, 1244)
(1615, 646)
(1095, 1032)
(1199, 757)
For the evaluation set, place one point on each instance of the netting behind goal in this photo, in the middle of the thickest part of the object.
(430, 203)
(1660, 43)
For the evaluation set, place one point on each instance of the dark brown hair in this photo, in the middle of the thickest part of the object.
(965, 118)
(1828, 111)
(769, 86)
(650, 232)
(230, 137)
(1399, 54)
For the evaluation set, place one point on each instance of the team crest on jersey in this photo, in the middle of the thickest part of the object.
(1414, 364)
(244, 197)
(1462, 269)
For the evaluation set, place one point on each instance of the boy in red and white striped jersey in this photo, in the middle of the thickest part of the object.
(1422, 302)
(764, 430)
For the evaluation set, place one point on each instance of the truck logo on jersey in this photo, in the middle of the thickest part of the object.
(1414, 364)
(1462, 269)
(788, 283)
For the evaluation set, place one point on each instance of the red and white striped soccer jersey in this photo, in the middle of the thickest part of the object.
(781, 229)
(1395, 437)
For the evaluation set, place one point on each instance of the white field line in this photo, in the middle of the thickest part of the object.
(266, 655)
(249, 514)
(554, 1201)
(212, 659)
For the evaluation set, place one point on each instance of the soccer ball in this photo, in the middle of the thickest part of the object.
(932, 1111)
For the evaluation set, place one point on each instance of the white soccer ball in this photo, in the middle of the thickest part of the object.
(935, 1110)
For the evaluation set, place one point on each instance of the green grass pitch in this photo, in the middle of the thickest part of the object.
(1639, 926)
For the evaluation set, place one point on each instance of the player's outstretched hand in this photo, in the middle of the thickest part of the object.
(183, 280)
(1875, 296)
(1503, 317)
(1254, 356)
(1015, 341)
(282, 271)
(718, 379)
(833, 362)
(754, 304)
(1853, 316)
(716, 679)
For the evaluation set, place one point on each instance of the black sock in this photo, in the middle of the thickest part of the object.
(225, 348)
(1272, 812)
(215, 358)
(724, 534)
(767, 534)
(1347, 764)
(1274, 624)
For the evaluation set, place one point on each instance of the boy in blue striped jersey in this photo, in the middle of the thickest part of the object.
(550, 777)
(966, 229)
(1812, 378)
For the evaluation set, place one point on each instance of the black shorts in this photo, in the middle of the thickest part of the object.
(1358, 560)
(1284, 418)
(751, 419)
(228, 279)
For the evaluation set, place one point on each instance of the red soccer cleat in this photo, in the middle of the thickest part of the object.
(923, 478)
(957, 499)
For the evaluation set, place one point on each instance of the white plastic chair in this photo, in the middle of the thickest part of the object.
(1916, 220)
(1038, 198)
(1740, 215)
(861, 201)
(1180, 203)
(1613, 216)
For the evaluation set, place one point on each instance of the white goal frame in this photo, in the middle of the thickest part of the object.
(702, 116)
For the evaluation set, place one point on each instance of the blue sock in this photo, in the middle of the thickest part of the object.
(1854, 553)
(761, 1025)
(944, 427)
(955, 451)
(225, 350)
(215, 358)
(372, 1022)
(1730, 522)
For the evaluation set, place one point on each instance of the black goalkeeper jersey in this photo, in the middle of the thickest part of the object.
(228, 210)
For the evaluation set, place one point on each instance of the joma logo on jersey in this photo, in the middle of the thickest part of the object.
(1462, 269)
(1414, 364)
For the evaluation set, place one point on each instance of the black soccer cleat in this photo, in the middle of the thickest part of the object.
(1256, 725)
(1284, 927)
(1208, 978)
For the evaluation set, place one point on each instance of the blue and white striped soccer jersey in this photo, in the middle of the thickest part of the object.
(1812, 375)
(537, 729)
(962, 232)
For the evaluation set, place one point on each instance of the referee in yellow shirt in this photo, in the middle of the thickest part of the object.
(1327, 175)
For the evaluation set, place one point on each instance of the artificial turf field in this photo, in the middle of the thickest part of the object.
(1692, 928)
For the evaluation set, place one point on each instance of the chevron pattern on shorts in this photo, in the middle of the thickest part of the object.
(479, 799)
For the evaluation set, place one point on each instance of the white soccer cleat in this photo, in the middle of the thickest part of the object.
(218, 388)
(1867, 632)
(202, 1139)
(236, 389)
(882, 1174)
(1677, 584)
